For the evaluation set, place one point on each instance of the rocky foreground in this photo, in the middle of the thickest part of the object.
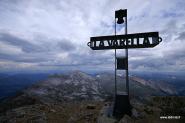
(91, 112)
(80, 98)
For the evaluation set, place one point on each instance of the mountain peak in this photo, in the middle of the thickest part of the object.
(78, 72)
(81, 75)
(75, 86)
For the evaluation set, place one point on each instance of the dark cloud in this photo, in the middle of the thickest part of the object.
(66, 45)
(23, 44)
(171, 60)
(34, 53)
(26, 58)
(47, 47)
(181, 36)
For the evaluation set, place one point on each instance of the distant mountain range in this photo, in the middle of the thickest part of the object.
(81, 86)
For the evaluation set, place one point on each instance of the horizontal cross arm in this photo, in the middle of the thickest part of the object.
(136, 40)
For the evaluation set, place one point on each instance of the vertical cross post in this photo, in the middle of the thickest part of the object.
(126, 55)
(121, 102)
(115, 61)
(120, 14)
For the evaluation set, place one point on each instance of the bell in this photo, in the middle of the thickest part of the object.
(120, 20)
(119, 15)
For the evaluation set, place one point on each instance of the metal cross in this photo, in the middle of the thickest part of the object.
(126, 41)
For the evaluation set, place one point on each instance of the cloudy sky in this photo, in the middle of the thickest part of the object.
(47, 35)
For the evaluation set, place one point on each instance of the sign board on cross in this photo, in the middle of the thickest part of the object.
(137, 40)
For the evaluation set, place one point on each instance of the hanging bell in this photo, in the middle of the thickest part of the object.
(120, 20)
(119, 15)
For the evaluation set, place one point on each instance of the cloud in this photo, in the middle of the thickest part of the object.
(66, 45)
(21, 50)
(181, 36)
(50, 35)
(23, 44)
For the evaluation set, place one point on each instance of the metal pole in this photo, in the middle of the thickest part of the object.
(126, 54)
(115, 62)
